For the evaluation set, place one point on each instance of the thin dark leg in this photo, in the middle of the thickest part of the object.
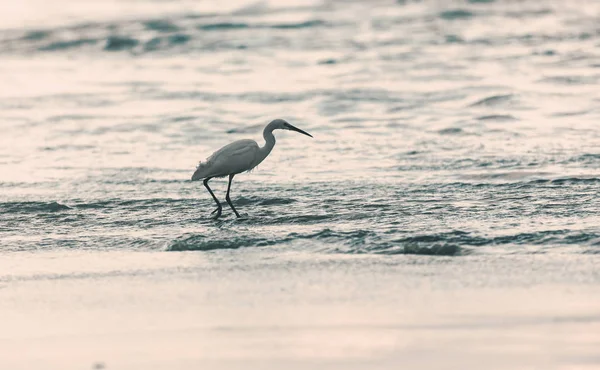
(219, 208)
(229, 199)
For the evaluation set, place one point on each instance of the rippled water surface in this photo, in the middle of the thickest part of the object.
(455, 127)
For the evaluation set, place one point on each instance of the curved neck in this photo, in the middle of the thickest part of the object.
(269, 143)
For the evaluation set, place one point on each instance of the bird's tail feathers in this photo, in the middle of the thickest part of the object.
(201, 172)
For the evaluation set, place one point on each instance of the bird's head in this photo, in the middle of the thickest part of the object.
(284, 125)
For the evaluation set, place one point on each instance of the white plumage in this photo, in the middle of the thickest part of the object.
(237, 157)
(233, 158)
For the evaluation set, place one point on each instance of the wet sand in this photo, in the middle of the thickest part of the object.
(245, 309)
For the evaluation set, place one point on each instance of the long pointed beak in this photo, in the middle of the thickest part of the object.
(298, 130)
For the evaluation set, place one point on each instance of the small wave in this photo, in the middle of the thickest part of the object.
(205, 243)
(64, 45)
(363, 95)
(437, 249)
(355, 237)
(546, 53)
(300, 219)
(228, 26)
(95, 205)
(36, 35)
(352, 239)
(570, 114)
(119, 43)
(574, 180)
(327, 62)
(519, 176)
(223, 26)
(452, 236)
(588, 158)
(494, 100)
(159, 43)
(131, 204)
(497, 117)
(243, 201)
(32, 207)
(307, 24)
(571, 80)
(67, 147)
(468, 239)
(456, 14)
(183, 118)
(454, 39)
(245, 129)
(523, 13)
(451, 131)
(75, 117)
(178, 39)
(161, 26)
(454, 243)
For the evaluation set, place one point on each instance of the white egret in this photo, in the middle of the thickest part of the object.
(237, 157)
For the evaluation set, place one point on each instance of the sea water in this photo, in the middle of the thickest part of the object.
(455, 152)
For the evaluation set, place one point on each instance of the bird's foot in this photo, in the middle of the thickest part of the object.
(218, 213)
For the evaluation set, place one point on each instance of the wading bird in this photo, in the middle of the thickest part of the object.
(237, 157)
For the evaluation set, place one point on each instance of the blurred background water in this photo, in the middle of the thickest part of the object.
(445, 212)
(440, 126)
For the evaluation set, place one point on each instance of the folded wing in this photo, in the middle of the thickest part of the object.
(234, 158)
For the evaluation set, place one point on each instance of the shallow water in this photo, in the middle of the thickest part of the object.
(432, 125)
(465, 129)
